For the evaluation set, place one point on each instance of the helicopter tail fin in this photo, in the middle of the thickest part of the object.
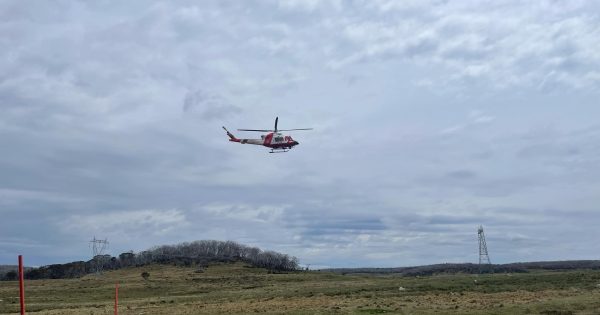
(231, 136)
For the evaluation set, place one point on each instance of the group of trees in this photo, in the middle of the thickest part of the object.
(474, 268)
(425, 270)
(9, 275)
(204, 252)
(200, 253)
(10, 272)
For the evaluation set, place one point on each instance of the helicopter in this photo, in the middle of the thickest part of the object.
(278, 142)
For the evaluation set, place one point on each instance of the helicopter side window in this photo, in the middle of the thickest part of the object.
(278, 139)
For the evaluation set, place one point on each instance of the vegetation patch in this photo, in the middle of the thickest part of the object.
(233, 288)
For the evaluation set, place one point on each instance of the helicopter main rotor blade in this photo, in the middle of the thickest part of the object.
(295, 129)
(274, 130)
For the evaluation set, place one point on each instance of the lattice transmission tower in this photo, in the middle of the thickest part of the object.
(99, 247)
(485, 265)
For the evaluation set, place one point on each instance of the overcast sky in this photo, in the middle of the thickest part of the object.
(430, 117)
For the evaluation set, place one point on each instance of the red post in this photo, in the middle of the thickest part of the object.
(21, 285)
(116, 298)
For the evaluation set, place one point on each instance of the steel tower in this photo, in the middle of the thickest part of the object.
(98, 249)
(484, 257)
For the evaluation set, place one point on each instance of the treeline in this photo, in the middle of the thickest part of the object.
(427, 270)
(204, 252)
(10, 272)
(557, 265)
(474, 268)
(197, 253)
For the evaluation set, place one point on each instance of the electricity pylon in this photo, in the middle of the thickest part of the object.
(484, 257)
(98, 248)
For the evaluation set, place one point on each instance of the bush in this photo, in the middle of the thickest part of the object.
(11, 275)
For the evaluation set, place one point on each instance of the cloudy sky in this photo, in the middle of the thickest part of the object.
(430, 117)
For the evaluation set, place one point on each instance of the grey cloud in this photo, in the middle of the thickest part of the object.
(520, 50)
(112, 112)
(547, 149)
(209, 106)
(461, 174)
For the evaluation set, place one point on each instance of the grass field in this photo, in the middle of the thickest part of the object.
(238, 289)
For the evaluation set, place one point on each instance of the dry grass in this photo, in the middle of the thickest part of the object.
(237, 289)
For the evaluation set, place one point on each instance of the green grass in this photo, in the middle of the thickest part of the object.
(238, 289)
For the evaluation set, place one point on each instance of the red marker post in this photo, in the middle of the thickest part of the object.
(21, 285)
(116, 299)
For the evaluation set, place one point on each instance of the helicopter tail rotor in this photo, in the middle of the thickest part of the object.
(231, 136)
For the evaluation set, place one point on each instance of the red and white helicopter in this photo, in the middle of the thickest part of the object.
(278, 142)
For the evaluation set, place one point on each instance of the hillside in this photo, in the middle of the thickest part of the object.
(206, 252)
(6, 268)
(197, 253)
(239, 288)
(474, 268)
(10, 272)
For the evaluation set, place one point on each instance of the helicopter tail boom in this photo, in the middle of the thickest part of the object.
(231, 136)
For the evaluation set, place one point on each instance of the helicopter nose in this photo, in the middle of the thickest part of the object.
(296, 142)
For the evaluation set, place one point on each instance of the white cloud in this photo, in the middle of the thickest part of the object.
(509, 44)
(308, 5)
(474, 118)
(429, 116)
(152, 222)
(209, 106)
(263, 213)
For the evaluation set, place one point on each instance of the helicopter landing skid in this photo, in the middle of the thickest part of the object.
(279, 150)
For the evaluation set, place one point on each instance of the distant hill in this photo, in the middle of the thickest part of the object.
(10, 272)
(197, 253)
(5, 268)
(474, 268)
(206, 252)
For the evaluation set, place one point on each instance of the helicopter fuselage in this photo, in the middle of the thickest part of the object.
(271, 140)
